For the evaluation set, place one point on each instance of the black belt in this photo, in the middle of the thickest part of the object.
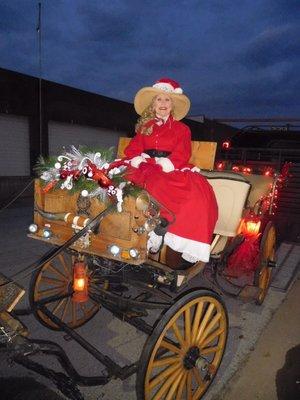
(157, 153)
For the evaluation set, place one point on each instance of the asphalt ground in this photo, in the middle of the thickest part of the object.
(272, 370)
(121, 341)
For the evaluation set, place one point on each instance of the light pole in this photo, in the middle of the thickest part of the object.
(39, 32)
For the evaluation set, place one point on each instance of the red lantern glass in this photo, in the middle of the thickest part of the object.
(250, 226)
(80, 282)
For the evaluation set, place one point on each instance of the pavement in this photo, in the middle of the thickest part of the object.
(266, 374)
(248, 326)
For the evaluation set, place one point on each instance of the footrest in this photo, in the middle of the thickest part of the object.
(10, 293)
(10, 327)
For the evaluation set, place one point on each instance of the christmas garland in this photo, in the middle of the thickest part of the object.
(92, 173)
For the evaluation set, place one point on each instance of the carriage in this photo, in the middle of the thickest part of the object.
(99, 259)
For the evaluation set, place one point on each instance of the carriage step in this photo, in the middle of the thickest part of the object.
(135, 314)
(183, 276)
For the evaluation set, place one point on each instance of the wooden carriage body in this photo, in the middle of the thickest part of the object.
(71, 212)
(75, 211)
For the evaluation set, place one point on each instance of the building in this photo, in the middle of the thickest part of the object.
(65, 116)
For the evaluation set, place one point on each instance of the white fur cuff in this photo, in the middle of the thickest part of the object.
(195, 169)
(165, 163)
(136, 161)
(145, 155)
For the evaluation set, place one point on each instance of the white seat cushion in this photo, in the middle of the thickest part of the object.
(231, 192)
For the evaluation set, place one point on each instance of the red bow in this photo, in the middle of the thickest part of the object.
(98, 175)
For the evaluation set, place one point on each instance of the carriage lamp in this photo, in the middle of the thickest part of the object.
(150, 224)
(250, 226)
(33, 228)
(142, 201)
(80, 282)
(114, 249)
(47, 233)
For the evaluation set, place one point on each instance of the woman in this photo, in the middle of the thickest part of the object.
(159, 155)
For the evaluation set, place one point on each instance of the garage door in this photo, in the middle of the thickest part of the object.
(14, 148)
(63, 135)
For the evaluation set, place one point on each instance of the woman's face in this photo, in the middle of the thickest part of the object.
(162, 105)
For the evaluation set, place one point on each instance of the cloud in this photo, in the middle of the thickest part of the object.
(273, 45)
(229, 59)
(260, 96)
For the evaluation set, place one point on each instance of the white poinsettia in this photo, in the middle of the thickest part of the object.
(100, 192)
(50, 175)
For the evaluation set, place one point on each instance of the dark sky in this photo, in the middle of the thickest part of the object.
(232, 58)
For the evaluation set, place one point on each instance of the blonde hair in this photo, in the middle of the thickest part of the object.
(147, 115)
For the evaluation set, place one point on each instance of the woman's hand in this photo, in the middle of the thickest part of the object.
(165, 163)
(136, 161)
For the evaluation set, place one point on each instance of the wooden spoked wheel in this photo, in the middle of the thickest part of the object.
(55, 278)
(181, 357)
(263, 273)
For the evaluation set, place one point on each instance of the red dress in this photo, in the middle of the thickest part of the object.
(186, 193)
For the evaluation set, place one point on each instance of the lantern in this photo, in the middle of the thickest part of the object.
(250, 226)
(80, 282)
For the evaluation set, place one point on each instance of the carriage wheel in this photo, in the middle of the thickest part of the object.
(56, 278)
(181, 357)
(263, 273)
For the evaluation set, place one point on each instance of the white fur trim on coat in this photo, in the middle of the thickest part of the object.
(154, 242)
(192, 250)
(165, 163)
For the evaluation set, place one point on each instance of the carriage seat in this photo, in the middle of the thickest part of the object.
(231, 190)
(203, 153)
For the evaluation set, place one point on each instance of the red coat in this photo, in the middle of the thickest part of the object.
(186, 193)
(173, 136)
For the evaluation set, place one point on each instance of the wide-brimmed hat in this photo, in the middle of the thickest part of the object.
(164, 85)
